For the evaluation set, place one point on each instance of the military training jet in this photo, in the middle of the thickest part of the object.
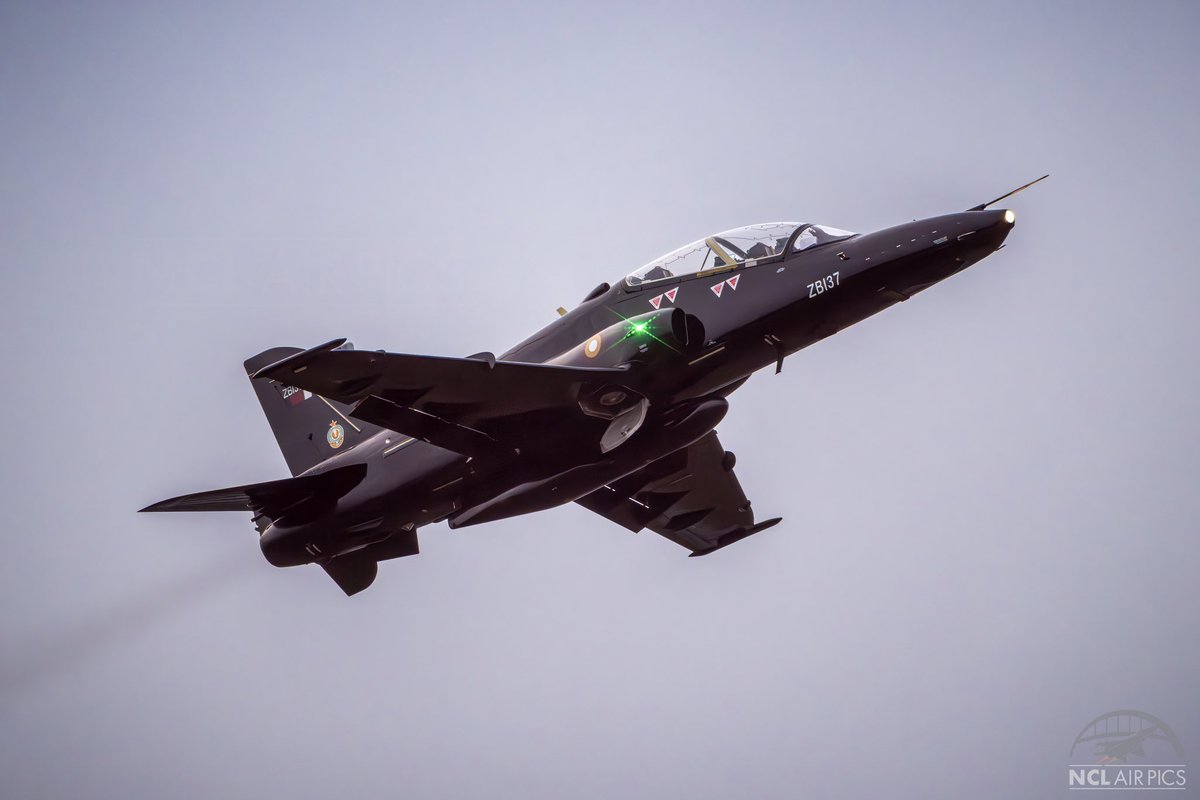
(612, 406)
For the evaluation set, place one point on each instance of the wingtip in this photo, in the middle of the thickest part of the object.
(737, 536)
(297, 358)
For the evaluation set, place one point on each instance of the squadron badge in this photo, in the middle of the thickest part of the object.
(335, 435)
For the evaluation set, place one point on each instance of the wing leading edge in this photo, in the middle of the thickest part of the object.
(456, 389)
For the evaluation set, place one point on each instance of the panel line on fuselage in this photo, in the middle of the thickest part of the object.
(397, 446)
(346, 419)
(706, 355)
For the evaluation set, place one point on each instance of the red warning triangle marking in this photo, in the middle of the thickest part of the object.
(656, 301)
(717, 289)
(671, 294)
(733, 282)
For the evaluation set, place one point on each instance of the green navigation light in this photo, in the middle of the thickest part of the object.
(642, 328)
(639, 328)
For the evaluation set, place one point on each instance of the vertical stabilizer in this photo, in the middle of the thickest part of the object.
(308, 427)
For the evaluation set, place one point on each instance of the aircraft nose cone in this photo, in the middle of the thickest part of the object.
(986, 228)
(1003, 218)
(992, 218)
(944, 246)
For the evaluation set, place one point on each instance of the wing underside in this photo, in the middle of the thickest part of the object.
(477, 406)
(473, 387)
(691, 497)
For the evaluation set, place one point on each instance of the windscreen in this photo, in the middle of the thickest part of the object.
(718, 252)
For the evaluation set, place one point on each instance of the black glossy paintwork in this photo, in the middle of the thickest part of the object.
(669, 352)
(770, 314)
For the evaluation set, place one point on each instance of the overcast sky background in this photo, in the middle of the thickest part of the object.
(989, 492)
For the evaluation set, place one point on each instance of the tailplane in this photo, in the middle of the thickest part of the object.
(300, 498)
(308, 427)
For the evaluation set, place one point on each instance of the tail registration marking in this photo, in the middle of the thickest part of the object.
(293, 395)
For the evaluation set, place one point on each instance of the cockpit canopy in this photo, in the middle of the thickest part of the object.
(732, 248)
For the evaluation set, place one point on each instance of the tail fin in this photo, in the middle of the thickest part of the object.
(308, 427)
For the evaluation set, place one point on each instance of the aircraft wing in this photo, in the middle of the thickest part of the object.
(691, 497)
(454, 390)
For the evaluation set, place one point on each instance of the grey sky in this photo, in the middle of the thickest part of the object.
(989, 492)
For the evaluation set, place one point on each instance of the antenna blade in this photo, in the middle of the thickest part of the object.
(982, 206)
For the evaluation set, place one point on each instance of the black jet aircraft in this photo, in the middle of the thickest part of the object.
(612, 406)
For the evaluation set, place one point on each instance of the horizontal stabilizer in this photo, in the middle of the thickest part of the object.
(273, 498)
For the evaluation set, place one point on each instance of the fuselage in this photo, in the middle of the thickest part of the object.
(733, 319)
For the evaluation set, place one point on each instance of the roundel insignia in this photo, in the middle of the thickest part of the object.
(591, 348)
(335, 435)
